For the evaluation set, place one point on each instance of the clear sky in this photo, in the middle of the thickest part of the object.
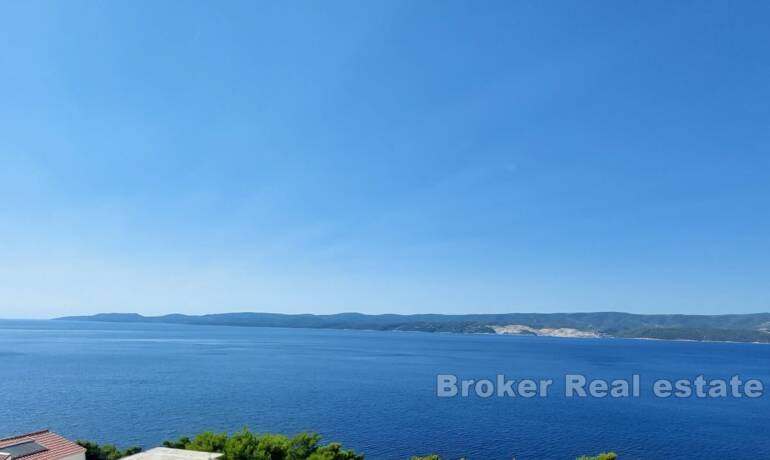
(384, 156)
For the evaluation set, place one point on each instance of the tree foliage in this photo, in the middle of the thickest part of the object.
(247, 445)
(602, 456)
(95, 451)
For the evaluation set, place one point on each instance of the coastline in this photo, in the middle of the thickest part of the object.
(580, 335)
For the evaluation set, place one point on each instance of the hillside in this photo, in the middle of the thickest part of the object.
(738, 328)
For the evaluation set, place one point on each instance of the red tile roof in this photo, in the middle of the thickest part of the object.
(57, 447)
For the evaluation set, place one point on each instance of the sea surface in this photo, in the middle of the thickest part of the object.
(140, 384)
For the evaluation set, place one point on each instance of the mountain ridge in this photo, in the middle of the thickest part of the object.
(751, 327)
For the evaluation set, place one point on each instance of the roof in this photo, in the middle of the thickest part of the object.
(165, 453)
(54, 447)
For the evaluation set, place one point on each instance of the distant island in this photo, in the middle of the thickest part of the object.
(721, 328)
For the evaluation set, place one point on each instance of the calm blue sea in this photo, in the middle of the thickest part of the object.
(373, 391)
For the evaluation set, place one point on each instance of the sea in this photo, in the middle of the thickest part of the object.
(376, 392)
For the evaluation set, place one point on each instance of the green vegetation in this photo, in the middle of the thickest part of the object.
(602, 456)
(738, 328)
(106, 451)
(247, 445)
(708, 334)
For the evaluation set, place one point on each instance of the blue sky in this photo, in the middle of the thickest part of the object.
(384, 156)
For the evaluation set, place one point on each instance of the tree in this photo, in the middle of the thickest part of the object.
(602, 456)
(95, 451)
(334, 451)
(208, 442)
(180, 443)
(247, 445)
